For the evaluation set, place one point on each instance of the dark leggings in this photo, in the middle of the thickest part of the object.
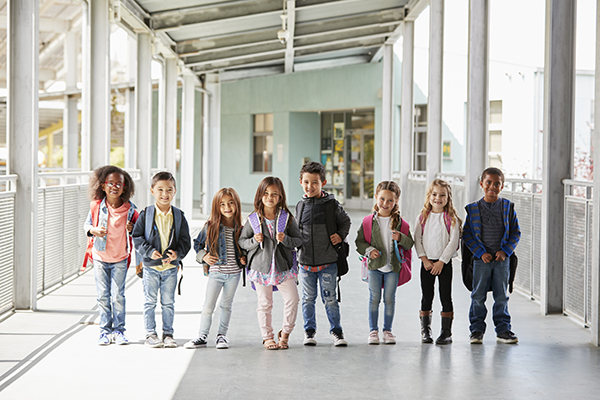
(428, 286)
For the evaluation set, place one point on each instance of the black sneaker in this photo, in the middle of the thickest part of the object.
(476, 337)
(338, 339)
(309, 338)
(507, 337)
(194, 344)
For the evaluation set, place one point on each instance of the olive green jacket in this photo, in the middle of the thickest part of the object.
(364, 248)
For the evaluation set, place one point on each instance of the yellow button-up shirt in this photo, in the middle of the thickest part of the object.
(164, 223)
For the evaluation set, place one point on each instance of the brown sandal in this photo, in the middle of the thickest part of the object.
(283, 341)
(270, 344)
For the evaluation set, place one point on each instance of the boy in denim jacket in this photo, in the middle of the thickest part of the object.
(491, 232)
(162, 251)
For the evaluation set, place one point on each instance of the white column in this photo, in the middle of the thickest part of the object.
(129, 134)
(407, 108)
(86, 105)
(143, 118)
(206, 198)
(171, 114)
(595, 306)
(186, 184)
(162, 99)
(477, 96)
(22, 140)
(70, 113)
(100, 84)
(213, 151)
(434, 100)
(387, 112)
(559, 83)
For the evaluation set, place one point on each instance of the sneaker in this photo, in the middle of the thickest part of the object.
(194, 344)
(120, 338)
(507, 337)
(104, 339)
(222, 342)
(169, 342)
(153, 341)
(338, 339)
(309, 338)
(388, 338)
(476, 337)
(373, 337)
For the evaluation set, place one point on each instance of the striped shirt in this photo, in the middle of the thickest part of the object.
(492, 225)
(232, 265)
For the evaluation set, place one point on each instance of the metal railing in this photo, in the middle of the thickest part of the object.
(7, 240)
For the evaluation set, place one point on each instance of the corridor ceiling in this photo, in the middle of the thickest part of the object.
(239, 38)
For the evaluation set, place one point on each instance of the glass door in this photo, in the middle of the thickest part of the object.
(360, 179)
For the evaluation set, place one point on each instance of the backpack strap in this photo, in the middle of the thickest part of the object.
(299, 209)
(368, 227)
(177, 217)
(149, 222)
(282, 221)
(448, 221)
(255, 224)
(330, 217)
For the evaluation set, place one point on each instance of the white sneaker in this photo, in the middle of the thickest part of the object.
(309, 338)
(222, 342)
(120, 338)
(388, 338)
(169, 342)
(373, 337)
(338, 339)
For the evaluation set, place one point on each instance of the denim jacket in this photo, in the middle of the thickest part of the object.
(202, 247)
(100, 242)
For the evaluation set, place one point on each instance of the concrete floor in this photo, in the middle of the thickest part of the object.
(52, 353)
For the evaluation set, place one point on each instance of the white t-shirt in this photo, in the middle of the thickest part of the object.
(386, 238)
(435, 242)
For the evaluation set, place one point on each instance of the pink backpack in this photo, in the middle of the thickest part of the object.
(405, 256)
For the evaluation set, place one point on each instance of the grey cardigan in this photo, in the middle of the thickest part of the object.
(259, 259)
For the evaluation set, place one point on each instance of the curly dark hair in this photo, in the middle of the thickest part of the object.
(313, 167)
(99, 176)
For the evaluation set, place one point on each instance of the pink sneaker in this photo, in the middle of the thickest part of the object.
(373, 337)
(388, 338)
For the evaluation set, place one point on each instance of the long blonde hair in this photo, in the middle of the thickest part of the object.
(448, 208)
(394, 188)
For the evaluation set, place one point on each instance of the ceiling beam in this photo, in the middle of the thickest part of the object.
(291, 24)
(332, 63)
(46, 24)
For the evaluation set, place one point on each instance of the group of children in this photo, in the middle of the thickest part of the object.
(277, 249)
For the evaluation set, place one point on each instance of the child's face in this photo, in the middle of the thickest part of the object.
(438, 199)
(113, 186)
(271, 197)
(164, 193)
(228, 207)
(386, 200)
(312, 184)
(492, 185)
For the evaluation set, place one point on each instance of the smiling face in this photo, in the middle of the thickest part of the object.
(312, 184)
(163, 192)
(228, 208)
(492, 185)
(113, 186)
(386, 200)
(271, 197)
(438, 199)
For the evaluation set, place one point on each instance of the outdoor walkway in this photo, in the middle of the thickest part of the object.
(52, 353)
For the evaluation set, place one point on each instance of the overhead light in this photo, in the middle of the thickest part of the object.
(283, 34)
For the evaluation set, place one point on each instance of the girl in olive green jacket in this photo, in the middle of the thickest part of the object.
(384, 265)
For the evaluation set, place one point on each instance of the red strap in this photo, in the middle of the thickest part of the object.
(368, 227)
(94, 208)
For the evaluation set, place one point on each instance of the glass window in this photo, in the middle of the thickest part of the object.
(496, 112)
(263, 143)
(420, 138)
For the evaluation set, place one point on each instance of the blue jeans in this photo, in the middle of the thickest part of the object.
(389, 281)
(327, 280)
(166, 282)
(493, 275)
(216, 282)
(110, 286)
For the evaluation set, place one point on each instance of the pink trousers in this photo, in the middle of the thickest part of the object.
(289, 292)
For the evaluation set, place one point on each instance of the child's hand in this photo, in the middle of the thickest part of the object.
(487, 257)
(258, 237)
(171, 256)
(243, 260)
(210, 259)
(129, 226)
(395, 235)
(500, 255)
(155, 255)
(98, 231)
(280, 236)
(436, 267)
(374, 254)
(427, 264)
(335, 239)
